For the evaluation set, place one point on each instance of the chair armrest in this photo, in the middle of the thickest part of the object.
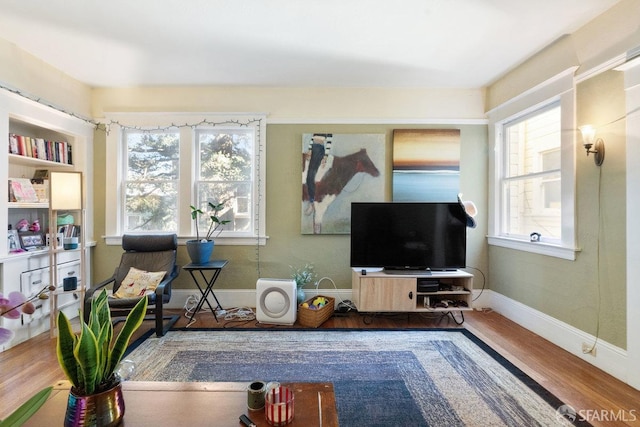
(88, 296)
(166, 282)
(91, 291)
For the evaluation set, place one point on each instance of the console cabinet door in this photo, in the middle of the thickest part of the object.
(385, 294)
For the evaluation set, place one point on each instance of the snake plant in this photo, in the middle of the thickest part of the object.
(90, 358)
(27, 409)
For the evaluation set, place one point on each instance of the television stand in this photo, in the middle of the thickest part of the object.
(383, 292)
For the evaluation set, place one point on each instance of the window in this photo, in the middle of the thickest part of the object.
(151, 180)
(161, 169)
(225, 174)
(532, 180)
(532, 184)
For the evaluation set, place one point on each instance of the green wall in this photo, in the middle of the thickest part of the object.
(285, 245)
(590, 292)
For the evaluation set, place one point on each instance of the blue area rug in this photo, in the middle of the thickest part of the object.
(381, 377)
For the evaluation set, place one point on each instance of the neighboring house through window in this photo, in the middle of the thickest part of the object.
(532, 189)
(531, 179)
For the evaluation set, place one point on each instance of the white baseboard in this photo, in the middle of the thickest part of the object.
(230, 298)
(608, 358)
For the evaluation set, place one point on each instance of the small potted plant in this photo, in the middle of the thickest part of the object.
(303, 276)
(200, 249)
(90, 359)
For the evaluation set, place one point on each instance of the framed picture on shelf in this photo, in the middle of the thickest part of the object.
(32, 240)
(13, 241)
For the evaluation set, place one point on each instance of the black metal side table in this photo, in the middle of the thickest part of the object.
(206, 285)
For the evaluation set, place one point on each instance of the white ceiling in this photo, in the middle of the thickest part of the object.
(359, 43)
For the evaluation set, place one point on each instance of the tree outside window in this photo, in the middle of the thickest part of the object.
(151, 185)
(158, 168)
(226, 174)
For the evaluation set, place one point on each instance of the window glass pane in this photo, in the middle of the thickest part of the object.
(225, 155)
(532, 185)
(551, 160)
(152, 156)
(225, 175)
(551, 193)
(151, 184)
(529, 138)
(237, 204)
(533, 205)
(151, 206)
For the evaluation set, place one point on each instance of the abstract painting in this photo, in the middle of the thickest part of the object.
(338, 169)
(426, 165)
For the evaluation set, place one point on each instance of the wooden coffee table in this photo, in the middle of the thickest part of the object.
(198, 404)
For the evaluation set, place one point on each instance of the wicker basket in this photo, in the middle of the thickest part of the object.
(314, 318)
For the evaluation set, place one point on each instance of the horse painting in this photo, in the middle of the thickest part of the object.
(331, 179)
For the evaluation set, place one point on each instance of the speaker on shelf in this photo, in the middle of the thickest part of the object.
(428, 285)
(276, 301)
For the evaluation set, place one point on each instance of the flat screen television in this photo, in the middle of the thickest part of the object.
(405, 237)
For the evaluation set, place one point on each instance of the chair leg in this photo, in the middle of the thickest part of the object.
(86, 311)
(161, 327)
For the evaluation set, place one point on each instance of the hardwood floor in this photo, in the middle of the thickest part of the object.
(31, 366)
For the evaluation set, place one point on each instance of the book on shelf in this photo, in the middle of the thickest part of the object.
(41, 187)
(13, 143)
(21, 190)
(40, 148)
(69, 230)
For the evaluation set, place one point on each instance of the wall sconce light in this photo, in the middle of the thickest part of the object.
(589, 141)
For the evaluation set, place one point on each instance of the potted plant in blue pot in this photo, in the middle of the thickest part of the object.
(303, 276)
(200, 249)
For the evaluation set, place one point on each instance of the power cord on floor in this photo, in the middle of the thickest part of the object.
(190, 307)
(452, 315)
(343, 306)
(239, 314)
(236, 314)
(484, 281)
(191, 304)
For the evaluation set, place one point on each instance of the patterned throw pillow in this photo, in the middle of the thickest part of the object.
(139, 283)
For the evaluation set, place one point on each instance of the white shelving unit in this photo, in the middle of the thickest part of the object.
(28, 272)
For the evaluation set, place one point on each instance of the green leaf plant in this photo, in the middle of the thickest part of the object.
(215, 224)
(27, 409)
(304, 275)
(90, 358)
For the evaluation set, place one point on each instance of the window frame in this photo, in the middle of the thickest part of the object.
(124, 167)
(561, 90)
(522, 177)
(197, 181)
(116, 156)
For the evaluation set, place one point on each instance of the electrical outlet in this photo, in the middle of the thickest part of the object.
(588, 349)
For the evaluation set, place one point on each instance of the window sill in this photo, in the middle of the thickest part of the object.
(221, 241)
(541, 248)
